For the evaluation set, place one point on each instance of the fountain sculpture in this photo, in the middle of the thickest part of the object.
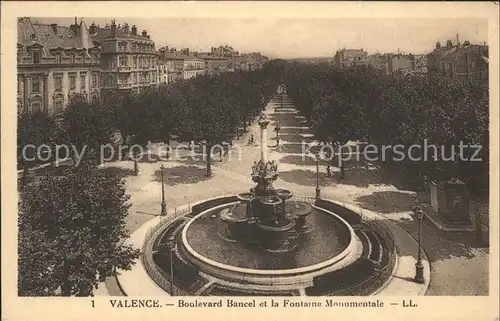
(267, 218)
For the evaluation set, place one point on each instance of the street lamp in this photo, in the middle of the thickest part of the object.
(419, 267)
(318, 190)
(163, 203)
(277, 129)
(171, 246)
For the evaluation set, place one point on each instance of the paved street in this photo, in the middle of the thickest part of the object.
(458, 265)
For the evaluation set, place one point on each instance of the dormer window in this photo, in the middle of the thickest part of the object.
(36, 57)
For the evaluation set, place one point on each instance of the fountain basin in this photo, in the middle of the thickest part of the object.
(328, 249)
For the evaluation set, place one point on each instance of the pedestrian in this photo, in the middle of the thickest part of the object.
(251, 137)
(328, 171)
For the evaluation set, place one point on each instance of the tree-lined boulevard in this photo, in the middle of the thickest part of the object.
(59, 257)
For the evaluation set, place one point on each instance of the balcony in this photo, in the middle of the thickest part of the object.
(124, 85)
(124, 69)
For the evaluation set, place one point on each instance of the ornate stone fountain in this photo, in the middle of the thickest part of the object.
(264, 216)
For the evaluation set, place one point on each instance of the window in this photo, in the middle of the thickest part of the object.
(134, 47)
(19, 85)
(110, 80)
(35, 85)
(83, 81)
(135, 61)
(58, 83)
(36, 107)
(19, 54)
(58, 107)
(36, 57)
(135, 79)
(94, 80)
(113, 63)
(58, 58)
(73, 58)
(72, 82)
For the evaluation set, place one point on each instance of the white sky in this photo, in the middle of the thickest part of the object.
(293, 38)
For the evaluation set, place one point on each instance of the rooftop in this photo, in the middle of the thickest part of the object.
(52, 36)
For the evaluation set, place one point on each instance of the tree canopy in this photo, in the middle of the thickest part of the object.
(360, 104)
(70, 231)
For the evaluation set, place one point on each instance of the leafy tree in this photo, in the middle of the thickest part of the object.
(360, 104)
(86, 126)
(33, 129)
(70, 229)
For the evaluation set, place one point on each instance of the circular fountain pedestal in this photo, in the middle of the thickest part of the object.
(277, 238)
(300, 211)
(235, 226)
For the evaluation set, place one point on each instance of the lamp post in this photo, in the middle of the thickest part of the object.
(171, 246)
(163, 203)
(277, 129)
(419, 267)
(318, 190)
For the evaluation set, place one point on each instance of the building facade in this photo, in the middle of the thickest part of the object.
(249, 61)
(348, 57)
(193, 67)
(53, 64)
(458, 62)
(215, 65)
(128, 59)
(399, 64)
(161, 72)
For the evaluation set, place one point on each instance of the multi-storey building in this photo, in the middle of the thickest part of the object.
(458, 62)
(173, 61)
(161, 72)
(249, 61)
(53, 64)
(215, 65)
(348, 57)
(128, 59)
(193, 67)
(399, 63)
(223, 51)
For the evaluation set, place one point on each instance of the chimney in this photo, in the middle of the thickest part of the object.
(134, 30)
(438, 45)
(113, 29)
(74, 28)
(92, 28)
(458, 42)
(126, 28)
(144, 33)
(449, 44)
(54, 27)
